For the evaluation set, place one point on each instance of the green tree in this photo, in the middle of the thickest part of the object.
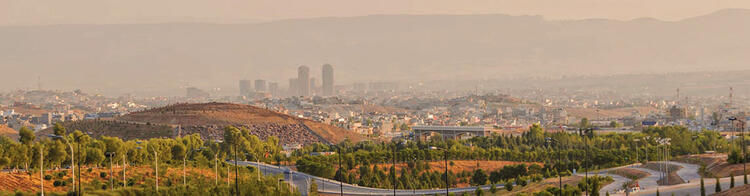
(479, 177)
(178, 152)
(495, 176)
(94, 156)
(479, 191)
(584, 123)
(26, 136)
(509, 186)
(313, 189)
(59, 129)
(594, 187)
(493, 188)
(614, 124)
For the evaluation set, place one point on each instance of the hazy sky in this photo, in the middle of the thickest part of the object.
(34, 12)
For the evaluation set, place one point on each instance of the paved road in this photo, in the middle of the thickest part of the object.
(688, 173)
(648, 182)
(692, 188)
(616, 184)
(301, 181)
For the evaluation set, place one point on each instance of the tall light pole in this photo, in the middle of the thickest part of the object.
(637, 150)
(236, 170)
(585, 163)
(216, 168)
(124, 182)
(111, 156)
(72, 156)
(156, 164)
(41, 168)
(559, 159)
(394, 169)
(341, 173)
(78, 141)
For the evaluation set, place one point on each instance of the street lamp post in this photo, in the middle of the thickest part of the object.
(744, 157)
(341, 173)
(156, 165)
(41, 168)
(236, 171)
(586, 163)
(111, 156)
(124, 182)
(559, 159)
(72, 155)
(447, 186)
(78, 141)
(394, 169)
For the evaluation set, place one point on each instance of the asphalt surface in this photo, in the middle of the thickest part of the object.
(692, 188)
(302, 180)
(648, 184)
(689, 172)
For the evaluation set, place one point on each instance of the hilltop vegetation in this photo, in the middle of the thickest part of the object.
(113, 128)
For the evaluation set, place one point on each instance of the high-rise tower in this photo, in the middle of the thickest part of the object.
(327, 80)
(246, 87)
(260, 85)
(303, 79)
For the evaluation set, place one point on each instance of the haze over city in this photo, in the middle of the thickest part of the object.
(374, 97)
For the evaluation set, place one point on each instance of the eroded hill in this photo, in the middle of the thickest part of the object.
(209, 120)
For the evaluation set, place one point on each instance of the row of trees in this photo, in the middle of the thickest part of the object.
(24, 154)
(368, 163)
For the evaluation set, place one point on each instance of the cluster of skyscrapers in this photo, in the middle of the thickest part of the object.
(303, 85)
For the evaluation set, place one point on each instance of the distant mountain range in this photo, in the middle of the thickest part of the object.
(151, 58)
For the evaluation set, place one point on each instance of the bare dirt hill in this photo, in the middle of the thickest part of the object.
(8, 132)
(210, 119)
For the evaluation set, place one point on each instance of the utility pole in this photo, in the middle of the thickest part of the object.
(124, 182)
(79, 167)
(585, 165)
(559, 160)
(341, 174)
(744, 158)
(216, 168)
(394, 169)
(447, 186)
(111, 179)
(156, 164)
(236, 172)
(41, 168)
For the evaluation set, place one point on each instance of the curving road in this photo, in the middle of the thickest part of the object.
(302, 180)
